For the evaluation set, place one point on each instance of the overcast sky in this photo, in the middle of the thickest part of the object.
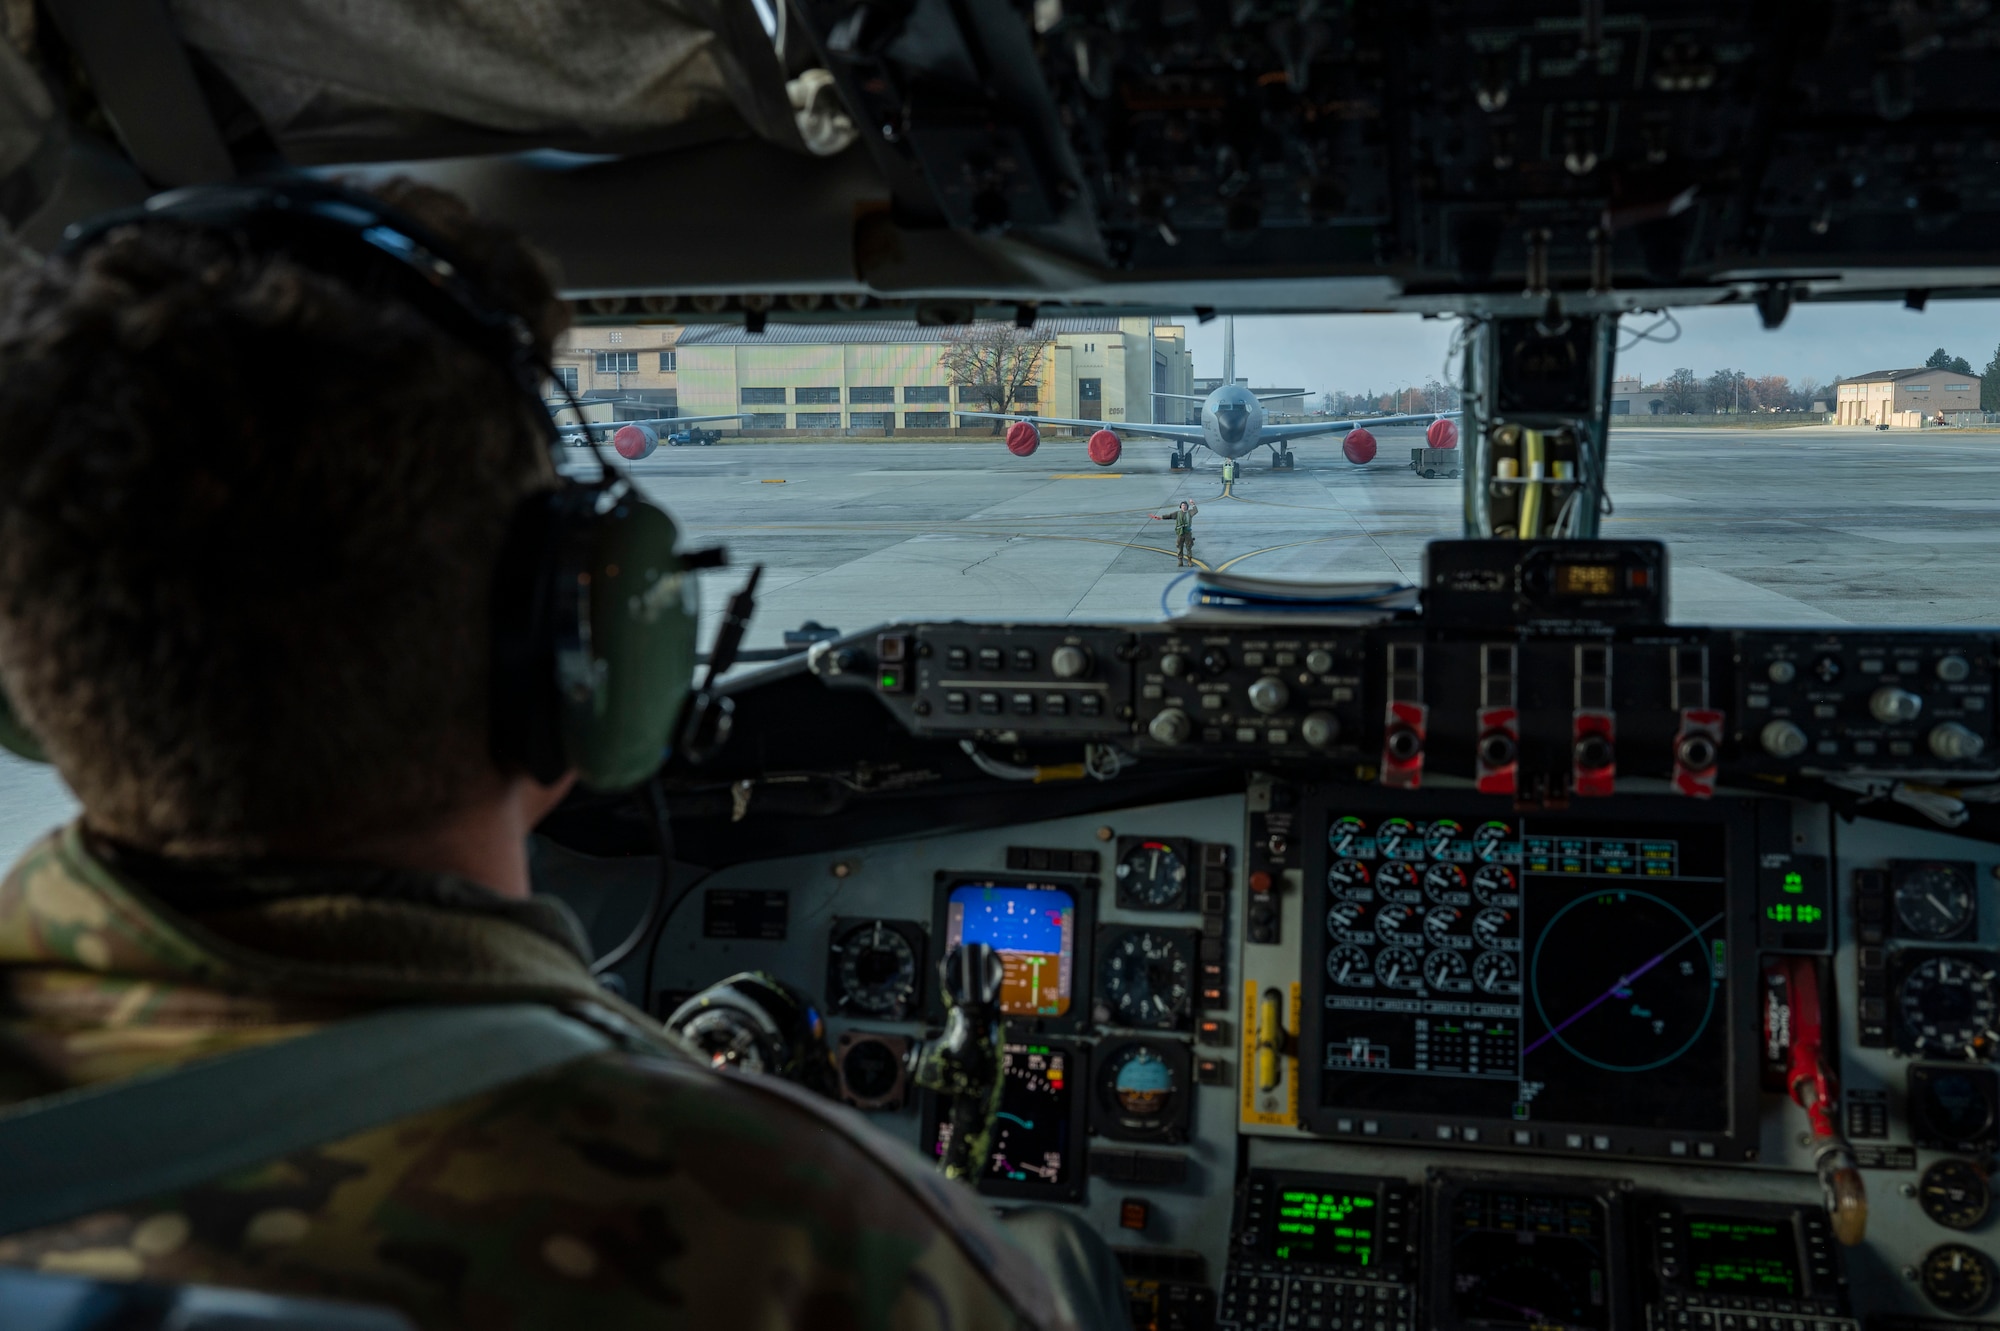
(1381, 352)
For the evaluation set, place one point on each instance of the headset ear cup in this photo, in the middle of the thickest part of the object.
(15, 737)
(622, 694)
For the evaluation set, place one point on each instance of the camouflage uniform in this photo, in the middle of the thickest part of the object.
(622, 1191)
(1183, 533)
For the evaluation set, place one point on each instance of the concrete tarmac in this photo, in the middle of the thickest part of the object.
(1819, 525)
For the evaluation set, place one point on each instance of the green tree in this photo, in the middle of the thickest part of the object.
(1989, 384)
(1682, 391)
(1944, 360)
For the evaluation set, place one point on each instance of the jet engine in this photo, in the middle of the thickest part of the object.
(1023, 438)
(1358, 447)
(635, 442)
(1442, 434)
(1105, 448)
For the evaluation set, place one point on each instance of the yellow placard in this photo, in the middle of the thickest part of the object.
(1289, 1116)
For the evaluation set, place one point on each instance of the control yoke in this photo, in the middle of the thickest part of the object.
(965, 1062)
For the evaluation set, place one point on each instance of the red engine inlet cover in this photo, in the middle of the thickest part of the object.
(635, 442)
(1023, 439)
(1105, 448)
(1358, 447)
(1442, 434)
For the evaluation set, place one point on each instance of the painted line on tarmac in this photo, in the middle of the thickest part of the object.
(1226, 565)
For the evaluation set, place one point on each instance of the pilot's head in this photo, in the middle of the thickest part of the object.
(249, 519)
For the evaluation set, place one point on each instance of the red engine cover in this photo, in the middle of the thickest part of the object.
(635, 442)
(1023, 439)
(1358, 447)
(1105, 448)
(1442, 434)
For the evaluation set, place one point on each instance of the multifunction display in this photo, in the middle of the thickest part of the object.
(1527, 969)
(1038, 1132)
(1033, 928)
(1528, 1259)
(1732, 1255)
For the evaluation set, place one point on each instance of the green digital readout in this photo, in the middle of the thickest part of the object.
(1731, 1255)
(1325, 1228)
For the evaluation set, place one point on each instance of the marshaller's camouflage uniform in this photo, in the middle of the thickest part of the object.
(1183, 533)
(621, 1191)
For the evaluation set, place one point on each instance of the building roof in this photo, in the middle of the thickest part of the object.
(777, 334)
(1891, 376)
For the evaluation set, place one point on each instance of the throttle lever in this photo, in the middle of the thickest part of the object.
(1794, 1038)
(964, 1062)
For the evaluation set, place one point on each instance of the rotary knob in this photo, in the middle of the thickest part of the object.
(1955, 743)
(1319, 660)
(1781, 672)
(1214, 661)
(1953, 669)
(1782, 739)
(1269, 694)
(1320, 729)
(1171, 726)
(1173, 664)
(1893, 706)
(1069, 662)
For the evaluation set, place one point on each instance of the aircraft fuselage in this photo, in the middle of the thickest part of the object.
(1232, 419)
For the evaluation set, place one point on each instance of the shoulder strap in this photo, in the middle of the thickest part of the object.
(82, 1151)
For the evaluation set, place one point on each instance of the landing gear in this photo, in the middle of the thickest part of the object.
(1180, 461)
(1282, 460)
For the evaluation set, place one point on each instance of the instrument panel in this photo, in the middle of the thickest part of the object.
(1395, 1025)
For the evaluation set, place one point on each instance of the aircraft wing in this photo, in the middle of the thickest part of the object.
(1285, 432)
(1191, 433)
(613, 427)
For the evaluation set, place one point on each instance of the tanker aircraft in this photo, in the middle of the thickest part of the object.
(1232, 426)
(633, 440)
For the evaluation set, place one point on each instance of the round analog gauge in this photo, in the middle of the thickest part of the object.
(1958, 1279)
(1152, 874)
(1495, 928)
(1497, 973)
(1398, 882)
(1933, 901)
(1947, 1007)
(1397, 840)
(1397, 968)
(877, 970)
(1441, 839)
(1494, 886)
(1348, 966)
(1439, 924)
(1142, 1084)
(1955, 1194)
(1446, 972)
(1349, 878)
(1445, 884)
(1147, 979)
(1492, 841)
(1343, 921)
(1401, 925)
(1346, 835)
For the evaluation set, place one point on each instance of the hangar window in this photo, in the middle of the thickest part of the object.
(872, 395)
(668, 362)
(927, 393)
(819, 420)
(762, 396)
(566, 376)
(926, 420)
(617, 362)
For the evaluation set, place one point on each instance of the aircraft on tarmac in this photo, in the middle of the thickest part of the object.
(635, 440)
(1232, 426)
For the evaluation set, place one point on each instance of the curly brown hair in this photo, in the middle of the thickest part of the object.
(248, 524)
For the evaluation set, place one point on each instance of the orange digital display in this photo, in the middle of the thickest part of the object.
(1586, 579)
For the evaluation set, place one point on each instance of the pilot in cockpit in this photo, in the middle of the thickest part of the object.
(264, 453)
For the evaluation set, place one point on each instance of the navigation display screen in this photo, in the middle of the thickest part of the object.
(1036, 1133)
(1325, 1229)
(1032, 927)
(1527, 969)
(1732, 1255)
(1527, 1259)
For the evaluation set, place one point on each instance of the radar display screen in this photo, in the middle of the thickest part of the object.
(1529, 1259)
(1732, 1255)
(1038, 1132)
(1525, 969)
(1032, 927)
(1315, 1228)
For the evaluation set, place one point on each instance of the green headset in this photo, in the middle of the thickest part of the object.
(594, 606)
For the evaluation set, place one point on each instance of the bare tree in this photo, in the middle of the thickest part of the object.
(993, 363)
